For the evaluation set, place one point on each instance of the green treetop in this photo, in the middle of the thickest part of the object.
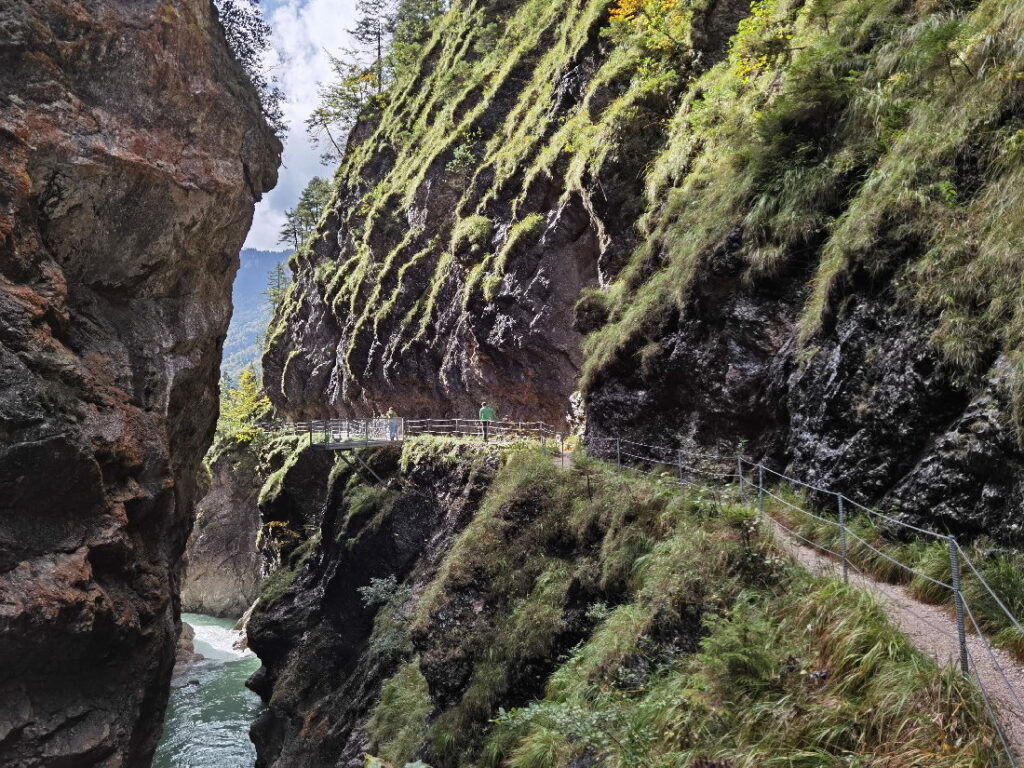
(242, 406)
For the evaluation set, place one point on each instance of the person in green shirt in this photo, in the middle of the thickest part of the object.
(486, 417)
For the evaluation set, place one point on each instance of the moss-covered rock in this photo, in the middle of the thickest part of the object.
(794, 225)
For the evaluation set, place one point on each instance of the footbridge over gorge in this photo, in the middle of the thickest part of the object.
(351, 434)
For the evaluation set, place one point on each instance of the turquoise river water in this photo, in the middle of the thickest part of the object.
(208, 717)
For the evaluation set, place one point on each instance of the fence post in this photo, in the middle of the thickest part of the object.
(679, 461)
(618, 453)
(561, 455)
(961, 628)
(366, 430)
(739, 473)
(311, 432)
(760, 488)
(843, 547)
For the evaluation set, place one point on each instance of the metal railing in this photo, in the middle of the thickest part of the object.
(356, 432)
(500, 431)
(1004, 695)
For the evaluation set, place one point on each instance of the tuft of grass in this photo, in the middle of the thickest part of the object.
(398, 724)
(472, 233)
(280, 581)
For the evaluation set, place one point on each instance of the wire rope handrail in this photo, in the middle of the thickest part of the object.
(992, 594)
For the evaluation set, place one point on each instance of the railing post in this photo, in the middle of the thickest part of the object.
(311, 432)
(679, 462)
(618, 453)
(760, 488)
(843, 545)
(739, 472)
(961, 627)
(366, 430)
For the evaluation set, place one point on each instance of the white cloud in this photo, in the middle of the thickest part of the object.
(305, 31)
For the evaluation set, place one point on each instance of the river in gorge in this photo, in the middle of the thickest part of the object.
(210, 710)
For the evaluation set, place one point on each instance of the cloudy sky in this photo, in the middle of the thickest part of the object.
(304, 32)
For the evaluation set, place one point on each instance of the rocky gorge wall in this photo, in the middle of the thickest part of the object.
(264, 493)
(787, 228)
(132, 151)
(224, 566)
(326, 649)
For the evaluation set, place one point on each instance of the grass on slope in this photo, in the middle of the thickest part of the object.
(666, 628)
(485, 111)
(1002, 568)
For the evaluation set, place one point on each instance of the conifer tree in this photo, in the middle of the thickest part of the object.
(373, 23)
(248, 36)
(277, 286)
(301, 221)
(291, 230)
(242, 406)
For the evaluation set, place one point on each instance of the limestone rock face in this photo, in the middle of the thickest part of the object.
(690, 259)
(429, 290)
(132, 151)
(224, 569)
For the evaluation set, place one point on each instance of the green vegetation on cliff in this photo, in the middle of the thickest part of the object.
(439, 117)
(618, 617)
(875, 138)
(842, 143)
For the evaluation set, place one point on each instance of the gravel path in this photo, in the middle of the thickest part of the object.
(932, 630)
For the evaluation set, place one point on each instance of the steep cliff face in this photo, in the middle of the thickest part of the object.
(457, 245)
(224, 566)
(132, 150)
(786, 225)
(311, 615)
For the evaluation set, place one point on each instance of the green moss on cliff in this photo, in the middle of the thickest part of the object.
(843, 143)
(278, 582)
(397, 724)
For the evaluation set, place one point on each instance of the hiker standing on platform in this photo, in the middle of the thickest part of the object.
(486, 417)
(392, 418)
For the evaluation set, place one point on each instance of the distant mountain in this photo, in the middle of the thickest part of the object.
(252, 310)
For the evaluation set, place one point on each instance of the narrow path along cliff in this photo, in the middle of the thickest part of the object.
(931, 629)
